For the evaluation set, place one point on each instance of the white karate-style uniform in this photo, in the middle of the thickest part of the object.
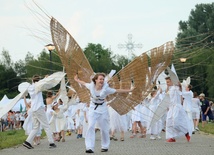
(187, 105)
(177, 120)
(38, 115)
(99, 114)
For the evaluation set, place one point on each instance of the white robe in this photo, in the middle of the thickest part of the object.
(177, 120)
(117, 122)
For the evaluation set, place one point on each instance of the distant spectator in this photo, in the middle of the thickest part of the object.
(10, 119)
(205, 109)
(4, 122)
(212, 107)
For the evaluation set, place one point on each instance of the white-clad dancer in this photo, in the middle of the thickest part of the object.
(156, 128)
(177, 121)
(38, 116)
(187, 95)
(98, 111)
(196, 108)
(118, 123)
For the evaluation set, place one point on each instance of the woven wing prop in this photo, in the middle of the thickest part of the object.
(142, 72)
(72, 57)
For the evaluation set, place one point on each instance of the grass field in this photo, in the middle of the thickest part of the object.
(209, 128)
(12, 138)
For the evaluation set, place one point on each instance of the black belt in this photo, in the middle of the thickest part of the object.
(97, 104)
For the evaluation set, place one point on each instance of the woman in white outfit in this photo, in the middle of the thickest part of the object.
(118, 123)
(155, 129)
(98, 111)
(187, 95)
(196, 107)
(136, 121)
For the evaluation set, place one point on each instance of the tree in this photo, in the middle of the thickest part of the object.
(8, 78)
(195, 42)
(99, 58)
(41, 65)
(198, 28)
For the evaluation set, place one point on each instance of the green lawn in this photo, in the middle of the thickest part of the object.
(209, 128)
(12, 138)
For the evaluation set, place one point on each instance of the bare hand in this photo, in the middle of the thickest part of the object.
(76, 77)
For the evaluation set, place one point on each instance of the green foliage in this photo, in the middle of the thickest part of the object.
(195, 42)
(42, 65)
(101, 59)
(9, 79)
(199, 25)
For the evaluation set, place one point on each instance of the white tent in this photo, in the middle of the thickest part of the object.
(5, 101)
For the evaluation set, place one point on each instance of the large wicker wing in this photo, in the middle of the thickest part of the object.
(72, 57)
(142, 72)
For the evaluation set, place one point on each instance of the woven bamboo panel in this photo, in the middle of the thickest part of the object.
(142, 73)
(72, 57)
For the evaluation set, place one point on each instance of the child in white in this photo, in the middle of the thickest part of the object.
(58, 114)
(79, 118)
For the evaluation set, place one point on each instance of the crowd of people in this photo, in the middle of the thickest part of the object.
(60, 119)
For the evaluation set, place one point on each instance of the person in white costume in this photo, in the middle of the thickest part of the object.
(49, 100)
(85, 122)
(28, 123)
(177, 121)
(69, 121)
(38, 116)
(59, 117)
(118, 123)
(145, 115)
(196, 108)
(155, 129)
(187, 95)
(79, 118)
(98, 111)
(136, 121)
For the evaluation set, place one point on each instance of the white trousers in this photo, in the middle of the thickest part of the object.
(103, 122)
(39, 117)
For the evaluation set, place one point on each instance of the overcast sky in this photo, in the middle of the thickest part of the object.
(107, 22)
